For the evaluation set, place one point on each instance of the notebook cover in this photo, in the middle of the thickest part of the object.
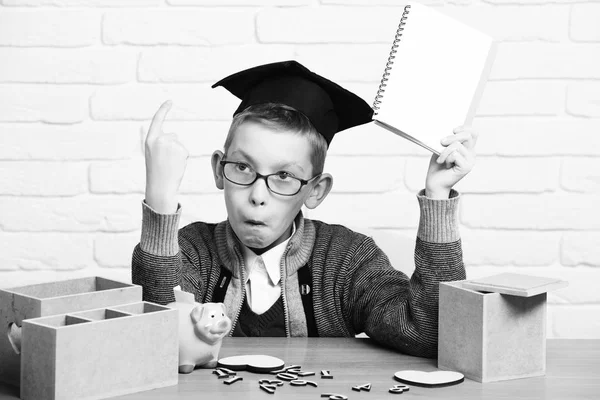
(515, 284)
(437, 79)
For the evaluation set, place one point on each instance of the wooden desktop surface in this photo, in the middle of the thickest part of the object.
(572, 372)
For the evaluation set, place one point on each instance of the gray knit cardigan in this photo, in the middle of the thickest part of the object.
(355, 289)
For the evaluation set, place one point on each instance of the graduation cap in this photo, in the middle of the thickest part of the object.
(328, 106)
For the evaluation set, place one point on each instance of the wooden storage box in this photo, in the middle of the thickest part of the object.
(21, 303)
(99, 353)
(489, 336)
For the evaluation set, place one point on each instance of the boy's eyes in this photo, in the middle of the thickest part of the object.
(283, 175)
(242, 166)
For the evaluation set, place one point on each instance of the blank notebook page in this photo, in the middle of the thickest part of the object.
(436, 71)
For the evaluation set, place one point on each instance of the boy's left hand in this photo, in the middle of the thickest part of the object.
(453, 163)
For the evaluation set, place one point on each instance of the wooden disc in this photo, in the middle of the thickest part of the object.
(253, 363)
(429, 379)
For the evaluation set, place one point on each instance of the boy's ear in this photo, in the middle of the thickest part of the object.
(215, 161)
(320, 189)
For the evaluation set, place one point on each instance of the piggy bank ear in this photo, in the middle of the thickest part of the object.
(196, 313)
(223, 308)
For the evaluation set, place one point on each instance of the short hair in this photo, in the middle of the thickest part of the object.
(283, 118)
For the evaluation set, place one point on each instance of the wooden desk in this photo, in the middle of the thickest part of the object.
(573, 372)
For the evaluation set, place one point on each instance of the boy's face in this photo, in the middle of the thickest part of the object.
(260, 218)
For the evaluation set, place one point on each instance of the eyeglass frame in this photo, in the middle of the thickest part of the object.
(258, 176)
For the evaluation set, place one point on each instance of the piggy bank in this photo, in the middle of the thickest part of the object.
(201, 330)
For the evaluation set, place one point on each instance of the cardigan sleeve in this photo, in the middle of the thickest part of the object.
(391, 308)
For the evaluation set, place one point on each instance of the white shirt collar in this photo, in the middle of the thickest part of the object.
(271, 258)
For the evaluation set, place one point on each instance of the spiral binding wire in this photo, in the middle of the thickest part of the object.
(390, 61)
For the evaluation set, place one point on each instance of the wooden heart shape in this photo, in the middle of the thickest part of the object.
(429, 379)
(253, 363)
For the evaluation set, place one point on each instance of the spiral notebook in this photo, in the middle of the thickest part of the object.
(434, 76)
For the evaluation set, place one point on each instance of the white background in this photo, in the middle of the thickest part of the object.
(80, 80)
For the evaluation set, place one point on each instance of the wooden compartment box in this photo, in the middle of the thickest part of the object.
(99, 353)
(33, 301)
(491, 336)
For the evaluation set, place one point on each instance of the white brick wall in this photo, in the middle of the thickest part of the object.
(80, 80)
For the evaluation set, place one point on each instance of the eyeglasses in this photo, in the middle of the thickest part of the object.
(280, 182)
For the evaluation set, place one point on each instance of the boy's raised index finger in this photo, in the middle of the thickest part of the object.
(159, 118)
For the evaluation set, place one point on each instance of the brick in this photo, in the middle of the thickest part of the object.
(580, 175)
(129, 177)
(205, 64)
(190, 102)
(88, 3)
(581, 249)
(584, 22)
(86, 141)
(118, 177)
(491, 175)
(546, 60)
(366, 174)
(200, 138)
(583, 285)
(575, 322)
(83, 213)
(67, 65)
(198, 178)
(537, 136)
(207, 208)
(522, 211)
(386, 210)
(505, 98)
(353, 62)
(583, 99)
(314, 25)
(34, 178)
(518, 248)
(378, 24)
(45, 251)
(185, 27)
(115, 250)
(32, 103)
(35, 28)
(282, 3)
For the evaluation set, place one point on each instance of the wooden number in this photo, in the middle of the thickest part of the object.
(326, 374)
(334, 396)
(399, 389)
(287, 376)
(233, 380)
(366, 386)
(303, 373)
(300, 382)
(270, 382)
(268, 388)
(287, 369)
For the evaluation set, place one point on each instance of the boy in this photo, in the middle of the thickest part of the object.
(278, 273)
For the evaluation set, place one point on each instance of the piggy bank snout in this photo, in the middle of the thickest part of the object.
(220, 327)
(223, 324)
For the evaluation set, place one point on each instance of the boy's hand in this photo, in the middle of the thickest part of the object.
(166, 158)
(454, 162)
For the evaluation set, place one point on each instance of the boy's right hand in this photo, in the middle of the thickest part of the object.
(166, 158)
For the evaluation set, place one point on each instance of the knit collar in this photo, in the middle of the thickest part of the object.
(297, 252)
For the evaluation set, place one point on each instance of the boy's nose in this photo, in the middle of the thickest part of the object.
(259, 193)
